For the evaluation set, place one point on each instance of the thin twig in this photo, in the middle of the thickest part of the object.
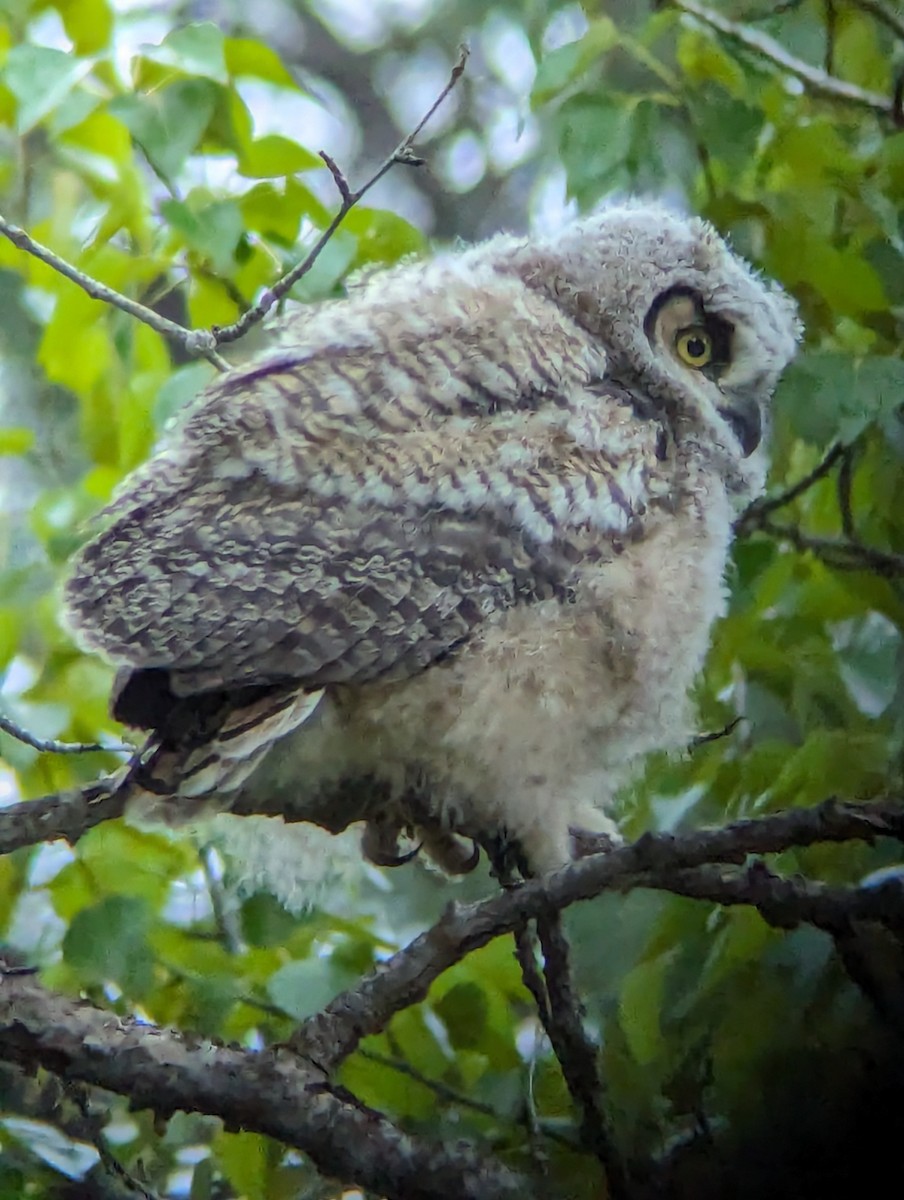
(225, 917)
(452, 1096)
(888, 16)
(577, 1054)
(703, 739)
(842, 555)
(439, 1089)
(828, 60)
(845, 484)
(111, 1164)
(52, 746)
(815, 81)
(195, 341)
(403, 154)
(205, 341)
(753, 516)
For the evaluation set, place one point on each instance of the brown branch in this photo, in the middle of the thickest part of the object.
(194, 341)
(755, 513)
(845, 486)
(67, 815)
(403, 154)
(661, 861)
(715, 735)
(52, 746)
(270, 1092)
(288, 1098)
(206, 341)
(577, 1053)
(883, 13)
(816, 81)
(842, 555)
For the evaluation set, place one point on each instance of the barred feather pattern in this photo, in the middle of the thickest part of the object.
(465, 529)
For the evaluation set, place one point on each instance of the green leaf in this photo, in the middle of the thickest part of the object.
(463, 1010)
(382, 236)
(560, 67)
(15, 440)
(168, 124)
(826, 395)
(704, 61)
(640, 1005)
(303, 987)
(248, 1161)
(274, 155)
(595, 136)
(88, 23)
(108, 942)
(246, 57)
(180, 390)
(41, 79)
(213, 230)
(196, 49)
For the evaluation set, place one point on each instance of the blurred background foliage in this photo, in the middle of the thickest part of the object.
(171, 151)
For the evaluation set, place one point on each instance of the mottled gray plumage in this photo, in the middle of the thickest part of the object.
(463, 532)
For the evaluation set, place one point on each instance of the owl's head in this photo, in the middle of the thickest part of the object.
(686, 324)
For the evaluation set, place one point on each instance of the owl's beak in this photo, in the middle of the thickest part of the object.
(743, 414)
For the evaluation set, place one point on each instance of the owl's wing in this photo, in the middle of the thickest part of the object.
(367, 556)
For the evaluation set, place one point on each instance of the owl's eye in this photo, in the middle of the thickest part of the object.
(694, 347)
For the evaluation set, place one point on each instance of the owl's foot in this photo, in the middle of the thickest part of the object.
(453, 854)
(380, 845)
(585, 842)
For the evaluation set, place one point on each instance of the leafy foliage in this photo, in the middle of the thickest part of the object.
(142, 165)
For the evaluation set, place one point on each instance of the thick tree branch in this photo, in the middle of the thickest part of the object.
(270, 1092)
(661, 861)
(816, 81)
(67, 815)
(291, 1099)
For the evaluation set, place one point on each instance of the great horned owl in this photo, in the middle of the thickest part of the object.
(458, 537)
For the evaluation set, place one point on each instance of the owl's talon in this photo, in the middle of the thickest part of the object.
(585, 842)
(396, 860)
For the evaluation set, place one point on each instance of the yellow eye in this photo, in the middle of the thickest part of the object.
(694, 346)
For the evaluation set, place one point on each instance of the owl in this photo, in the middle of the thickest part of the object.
(452, 546)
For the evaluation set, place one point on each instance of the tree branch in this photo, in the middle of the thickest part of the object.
(883, 13)
(52, 746)
(841, 554)
(270, 1092)
(816, 81)
(577, 1053)
(403, 154)
(67, 815)
(206, 341)
(194, 341)
(661, 861)
(756, 512)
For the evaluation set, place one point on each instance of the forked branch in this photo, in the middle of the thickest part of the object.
(206, 341)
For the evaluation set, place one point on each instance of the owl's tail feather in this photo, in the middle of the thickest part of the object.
(204, 746)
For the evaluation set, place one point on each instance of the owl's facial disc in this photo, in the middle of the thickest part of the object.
(702, 343)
